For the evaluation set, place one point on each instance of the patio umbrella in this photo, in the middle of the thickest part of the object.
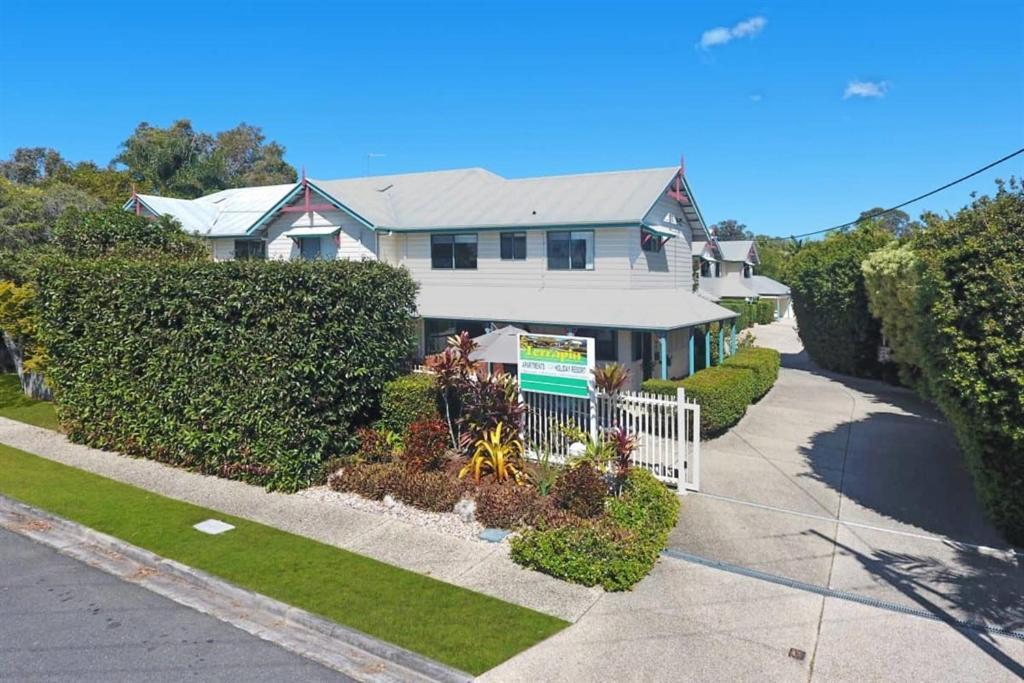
(498, 346)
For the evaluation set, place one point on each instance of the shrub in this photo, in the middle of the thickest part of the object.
(891, 279)
(117, 233)
(970, 314)
(408, 399)
(745, 318)
(723, 394)
(374, 445)
(831, 302)
(507, 506)
(764, 363)
(434, 491)
(615, 552)
(369, 480)
(426, 444)
(580, 490)
(265, 365)
(765, 312)
(664, 387)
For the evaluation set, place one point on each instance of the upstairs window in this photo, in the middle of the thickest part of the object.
(250, 250)
(705, 268)
(747, 270)
(571, 250)
(513, 246)
(450, 252)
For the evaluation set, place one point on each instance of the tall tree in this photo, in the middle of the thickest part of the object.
(896, 222)
(179, 161)
(731, 230)
(29, 165)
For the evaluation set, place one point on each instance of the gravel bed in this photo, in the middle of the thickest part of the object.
(447, 523)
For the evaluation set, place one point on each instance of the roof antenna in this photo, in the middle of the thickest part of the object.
(372, 155)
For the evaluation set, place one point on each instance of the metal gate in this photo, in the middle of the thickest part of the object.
(668, 429)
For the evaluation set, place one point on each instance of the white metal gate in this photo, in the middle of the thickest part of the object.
(668, 429)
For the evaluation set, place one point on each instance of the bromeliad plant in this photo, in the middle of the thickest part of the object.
(624, 445)
(612, 378)
(499, 454)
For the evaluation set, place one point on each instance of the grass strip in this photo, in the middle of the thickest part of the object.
(15, 405)
(462, 628)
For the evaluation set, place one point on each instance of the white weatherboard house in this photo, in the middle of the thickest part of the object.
(727, 272)
(603, 255)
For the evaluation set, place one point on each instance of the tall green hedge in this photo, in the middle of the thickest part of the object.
(765, 312)
(831, 303)
(747, 312)
(723, 393)
(250, 370)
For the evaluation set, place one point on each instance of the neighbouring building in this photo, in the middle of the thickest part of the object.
(726, 271)
(603, 255)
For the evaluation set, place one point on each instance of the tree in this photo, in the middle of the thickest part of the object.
(896, 222)
(774, 255)
(29, 165)
(179, 161)
(731, 230)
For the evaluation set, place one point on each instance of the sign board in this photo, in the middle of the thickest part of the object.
(556, 364)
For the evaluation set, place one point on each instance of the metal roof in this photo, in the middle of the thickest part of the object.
(470, 198)
(662, 309)
(765, 286)
(228, 213)
(728, 288)
(737, 250)
(477, 198)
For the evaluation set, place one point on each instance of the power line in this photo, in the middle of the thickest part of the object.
(876, 214)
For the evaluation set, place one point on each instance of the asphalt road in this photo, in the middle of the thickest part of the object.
(61, 620)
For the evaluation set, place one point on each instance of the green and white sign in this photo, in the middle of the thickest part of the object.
(555, 364)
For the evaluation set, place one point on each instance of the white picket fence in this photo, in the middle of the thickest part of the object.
(667, 428)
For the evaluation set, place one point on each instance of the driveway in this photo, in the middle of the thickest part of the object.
(851, 485)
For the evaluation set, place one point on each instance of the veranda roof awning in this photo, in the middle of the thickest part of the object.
(658, 231)
(295, 233)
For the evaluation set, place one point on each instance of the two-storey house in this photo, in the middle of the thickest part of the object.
(604, 255)
(726, 271)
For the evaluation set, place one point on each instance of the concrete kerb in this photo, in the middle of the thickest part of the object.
(364, 658)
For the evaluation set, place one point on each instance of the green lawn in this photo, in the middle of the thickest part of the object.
(17, 406)
(464, 629)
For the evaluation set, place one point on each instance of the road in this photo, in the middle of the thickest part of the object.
(62, 620)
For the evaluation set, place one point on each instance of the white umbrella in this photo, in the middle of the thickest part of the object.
(498, 346)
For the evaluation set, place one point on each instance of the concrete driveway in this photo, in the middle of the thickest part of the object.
(851, 485)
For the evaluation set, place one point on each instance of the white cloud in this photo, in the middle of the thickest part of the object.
(756, 98)
(720, 35)
(865, 89)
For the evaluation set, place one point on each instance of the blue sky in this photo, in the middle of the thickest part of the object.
(792, 115)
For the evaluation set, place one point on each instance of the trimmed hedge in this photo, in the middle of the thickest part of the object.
(615, 552)
(747, 312)
(764, 363)
(725, 391)
(408, 399)
(253, 370)
(765, 312)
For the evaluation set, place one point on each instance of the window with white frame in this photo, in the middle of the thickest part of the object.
(309, 248)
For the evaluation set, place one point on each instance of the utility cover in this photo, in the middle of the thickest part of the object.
(213, 527)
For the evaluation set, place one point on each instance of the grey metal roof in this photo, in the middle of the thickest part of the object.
(731, 250)
(228, 213)
(470, 198)
(646, 309)
(766, 286)
(477, 198)
(728, 288)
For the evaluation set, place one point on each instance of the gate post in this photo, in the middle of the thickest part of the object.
(681, 463)
(695, 460)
